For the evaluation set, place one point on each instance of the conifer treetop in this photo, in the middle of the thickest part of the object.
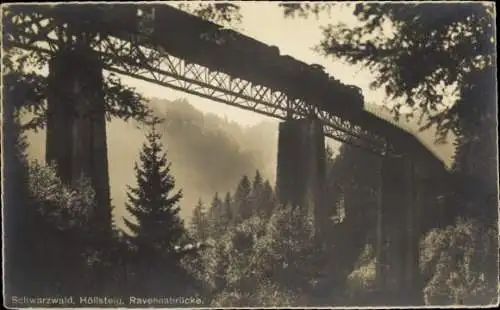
(154, 201)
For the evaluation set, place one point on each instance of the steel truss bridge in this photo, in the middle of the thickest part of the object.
(142, 40)
(168, 47)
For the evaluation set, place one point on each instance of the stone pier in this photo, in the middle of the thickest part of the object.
(301, 167)
(398, 280)
(76, 125)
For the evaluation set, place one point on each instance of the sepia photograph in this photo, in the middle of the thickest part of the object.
(249, 154)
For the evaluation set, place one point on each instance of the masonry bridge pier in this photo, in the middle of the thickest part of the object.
(76, 125)
(177, 50)
(411, 182)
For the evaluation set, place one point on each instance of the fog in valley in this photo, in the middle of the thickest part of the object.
(209, 153)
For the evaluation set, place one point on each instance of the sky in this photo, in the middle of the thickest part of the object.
(294, 37)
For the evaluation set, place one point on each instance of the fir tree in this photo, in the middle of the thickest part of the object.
(199, 223)
(267, 200)
(257, 183)
(158, 229)
(227, 217)
(262, 196)
(214, 215)
(242, 200)
(256, 194)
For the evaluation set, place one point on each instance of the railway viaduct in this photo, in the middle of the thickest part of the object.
(162, 45)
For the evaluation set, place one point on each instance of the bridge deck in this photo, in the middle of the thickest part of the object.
(207, 44)
(210, 45)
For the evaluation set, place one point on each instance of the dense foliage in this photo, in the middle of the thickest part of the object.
(454, 45)
(438, 60)
(157, 231)
(245, 249)
(460, 260)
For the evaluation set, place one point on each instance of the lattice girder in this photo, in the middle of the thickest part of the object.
(33, 31)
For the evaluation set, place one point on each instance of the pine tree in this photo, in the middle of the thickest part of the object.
(199, 223)
(214, 216)
(242, 200)
(158, 229)
(227, 218)
(262, 199)
(257, 183)
(256, 194)
(267, 200)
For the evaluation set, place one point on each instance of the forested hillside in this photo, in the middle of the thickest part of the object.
(209, 153)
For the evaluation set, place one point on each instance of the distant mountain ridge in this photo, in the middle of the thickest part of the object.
(210, 154)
